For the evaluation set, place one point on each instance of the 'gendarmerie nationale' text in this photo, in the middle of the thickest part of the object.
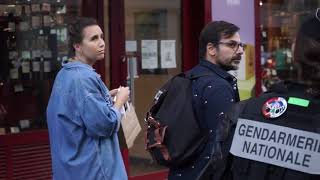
(290, 140)
(278, 145)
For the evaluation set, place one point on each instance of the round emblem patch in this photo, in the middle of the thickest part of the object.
(274, 107)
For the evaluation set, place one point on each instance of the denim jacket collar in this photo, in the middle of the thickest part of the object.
(74, 64)
(213, 67)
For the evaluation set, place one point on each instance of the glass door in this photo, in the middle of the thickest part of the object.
(153, 50)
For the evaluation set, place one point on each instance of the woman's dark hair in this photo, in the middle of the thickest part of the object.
(307, 50)
(213, 32)
(75, 31)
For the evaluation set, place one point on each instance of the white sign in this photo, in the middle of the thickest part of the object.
(131, 46)
(281, 146)
(149, 54)
(168, 54)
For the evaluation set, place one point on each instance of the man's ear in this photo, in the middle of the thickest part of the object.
(211, 49)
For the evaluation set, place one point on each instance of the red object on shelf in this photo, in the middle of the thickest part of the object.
(25, 156)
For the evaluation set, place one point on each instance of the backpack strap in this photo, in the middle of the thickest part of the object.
(159, 134)
(192, 76)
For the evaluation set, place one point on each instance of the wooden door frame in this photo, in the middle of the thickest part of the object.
(192, 11)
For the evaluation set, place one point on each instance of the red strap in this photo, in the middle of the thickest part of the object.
(159, 137)
(165, 153)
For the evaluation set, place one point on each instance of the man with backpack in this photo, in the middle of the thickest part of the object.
(214, 92)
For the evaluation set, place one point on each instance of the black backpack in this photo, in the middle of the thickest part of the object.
(173, 135)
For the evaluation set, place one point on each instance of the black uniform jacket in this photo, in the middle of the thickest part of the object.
(306, 118)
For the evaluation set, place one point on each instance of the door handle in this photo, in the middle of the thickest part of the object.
(123, 58)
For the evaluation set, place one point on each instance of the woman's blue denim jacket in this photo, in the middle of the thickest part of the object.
(83, 127)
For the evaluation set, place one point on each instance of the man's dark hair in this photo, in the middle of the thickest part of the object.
(307, 50)
(75, 31)
(213, 33)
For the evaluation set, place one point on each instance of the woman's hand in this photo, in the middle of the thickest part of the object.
(113, 92)
(122, 97)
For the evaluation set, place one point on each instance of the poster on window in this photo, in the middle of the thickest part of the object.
(149, 54)
(168, 54)
(131, 46)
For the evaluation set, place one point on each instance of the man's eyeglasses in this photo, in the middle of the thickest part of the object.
(318, 14)
(234, 45)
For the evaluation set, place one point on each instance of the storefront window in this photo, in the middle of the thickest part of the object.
(280, 20)
(33, 35)
(153, 47)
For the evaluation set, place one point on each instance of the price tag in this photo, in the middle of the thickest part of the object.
(46, 7)
(25, 67)
(14, 73)
(18, 10)
(35, 7)
(36, 53)
(13, 54)
(46, 20)
(36, 66)
(2, 131)
(35, 21)
(27, 10)
(47, 66)
(12, 26)
(18, 88)
(24, 124)
(47, 54)
(25, 54)
(14, 129)
(24, 26)
(53, 31)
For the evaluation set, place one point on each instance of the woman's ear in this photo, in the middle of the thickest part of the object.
(211, 49)
(77, 47)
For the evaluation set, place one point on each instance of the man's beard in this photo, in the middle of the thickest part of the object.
(229, 67)
(232, 65)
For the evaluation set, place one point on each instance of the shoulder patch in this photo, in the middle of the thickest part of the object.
(274, 107)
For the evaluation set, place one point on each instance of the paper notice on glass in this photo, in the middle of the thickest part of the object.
(131, 46)
(149, 54)
(168, 54)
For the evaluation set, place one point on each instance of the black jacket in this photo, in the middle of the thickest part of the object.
(213, 95)
(297, 116)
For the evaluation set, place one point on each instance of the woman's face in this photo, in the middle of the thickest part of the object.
(92, 47)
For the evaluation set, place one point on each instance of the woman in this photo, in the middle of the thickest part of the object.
(83, 121)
